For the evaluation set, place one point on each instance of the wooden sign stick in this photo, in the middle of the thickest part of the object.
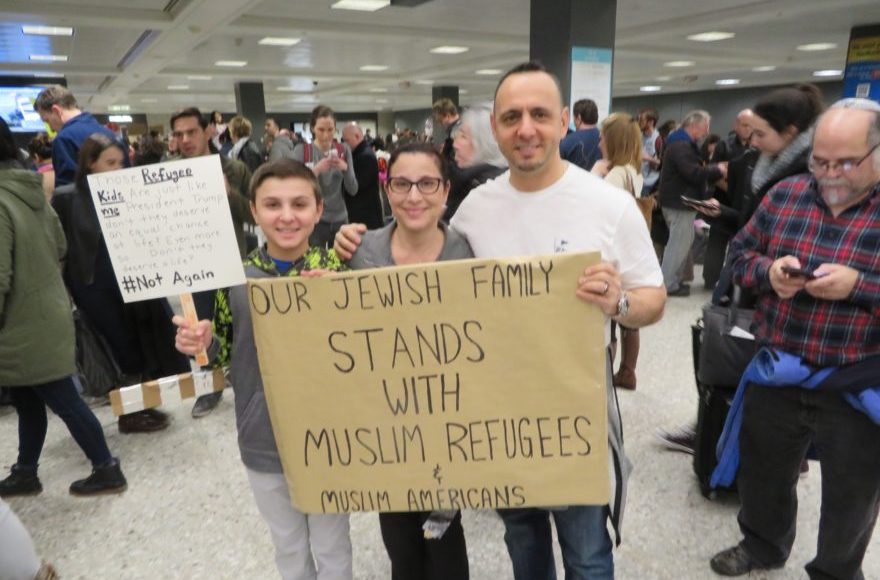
(189, 312)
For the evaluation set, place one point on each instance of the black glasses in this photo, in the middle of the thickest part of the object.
(402, 186)
(846, 165)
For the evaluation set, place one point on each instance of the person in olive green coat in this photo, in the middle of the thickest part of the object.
(37, 344)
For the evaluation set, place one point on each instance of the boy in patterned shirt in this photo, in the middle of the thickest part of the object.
(286, 202)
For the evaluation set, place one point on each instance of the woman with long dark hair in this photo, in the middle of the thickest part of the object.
(140, 334)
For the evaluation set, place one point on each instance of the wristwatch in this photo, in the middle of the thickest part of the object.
(622, 305)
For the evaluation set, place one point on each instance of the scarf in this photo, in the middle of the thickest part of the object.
(770, 169)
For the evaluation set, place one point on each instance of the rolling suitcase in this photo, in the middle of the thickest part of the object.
(712, 407)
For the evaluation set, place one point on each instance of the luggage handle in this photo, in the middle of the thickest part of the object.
(734, 306)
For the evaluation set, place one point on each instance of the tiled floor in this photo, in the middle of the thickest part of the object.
(189, 514)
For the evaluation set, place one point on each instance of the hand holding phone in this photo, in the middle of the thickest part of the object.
(800, 273)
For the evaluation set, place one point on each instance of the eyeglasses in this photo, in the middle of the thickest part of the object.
(846, 165)
(402, 186)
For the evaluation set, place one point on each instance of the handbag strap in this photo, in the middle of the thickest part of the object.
(735, 298)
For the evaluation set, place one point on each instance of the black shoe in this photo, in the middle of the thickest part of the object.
(21, 481)
(681, 291)
(103, 480)
(736, 561)
(205, 404)
(145, 421)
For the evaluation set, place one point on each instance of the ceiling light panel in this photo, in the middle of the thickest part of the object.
(817, 46)
(712, 36)
(49, 57)
(679, 63)
(489, 71)
(765, 68)
(374, 67)
(278, 41)
(828, 73)
(231, 63)
(650, 89)
(727, 82)
(361, 5)
(47, 30)
(449, 49)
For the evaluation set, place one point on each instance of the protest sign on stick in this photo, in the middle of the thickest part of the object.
(474, 384)
(168, 229)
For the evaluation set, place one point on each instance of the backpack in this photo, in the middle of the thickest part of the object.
(307, 151)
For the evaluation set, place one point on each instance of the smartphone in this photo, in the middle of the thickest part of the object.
(799, 273)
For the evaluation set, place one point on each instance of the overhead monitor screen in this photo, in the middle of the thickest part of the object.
(17, 109)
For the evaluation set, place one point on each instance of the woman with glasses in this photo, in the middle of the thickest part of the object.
(417, 188)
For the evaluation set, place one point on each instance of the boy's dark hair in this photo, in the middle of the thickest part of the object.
(529, 67)
(190, 112)
(416, 148)
(283, 169)
(320, 112)
(651, 114)
(587, 111)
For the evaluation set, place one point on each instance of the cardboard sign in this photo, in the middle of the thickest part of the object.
(474, 384)
(168, 228)
(166, 391)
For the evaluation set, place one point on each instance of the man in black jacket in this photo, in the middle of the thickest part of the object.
(683, 174)
(366, 206)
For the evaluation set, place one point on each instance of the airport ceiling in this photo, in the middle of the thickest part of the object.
(156, 56)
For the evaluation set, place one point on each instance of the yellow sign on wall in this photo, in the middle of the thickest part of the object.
(475, 384)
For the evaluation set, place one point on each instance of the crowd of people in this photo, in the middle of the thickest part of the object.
(791, 198)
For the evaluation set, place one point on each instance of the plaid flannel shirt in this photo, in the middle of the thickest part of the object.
(793, 219)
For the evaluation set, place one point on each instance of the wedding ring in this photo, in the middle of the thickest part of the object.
(605, 291)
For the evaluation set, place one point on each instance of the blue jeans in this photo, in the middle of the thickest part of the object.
(583, 537)
(60, 396)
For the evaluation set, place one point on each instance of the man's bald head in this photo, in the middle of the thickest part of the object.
(847, 136)
(743, 124)
(352, 135)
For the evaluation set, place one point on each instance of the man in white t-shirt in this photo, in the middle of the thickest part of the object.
(544, 205)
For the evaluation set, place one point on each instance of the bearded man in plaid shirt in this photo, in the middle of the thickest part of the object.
(812, 254)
